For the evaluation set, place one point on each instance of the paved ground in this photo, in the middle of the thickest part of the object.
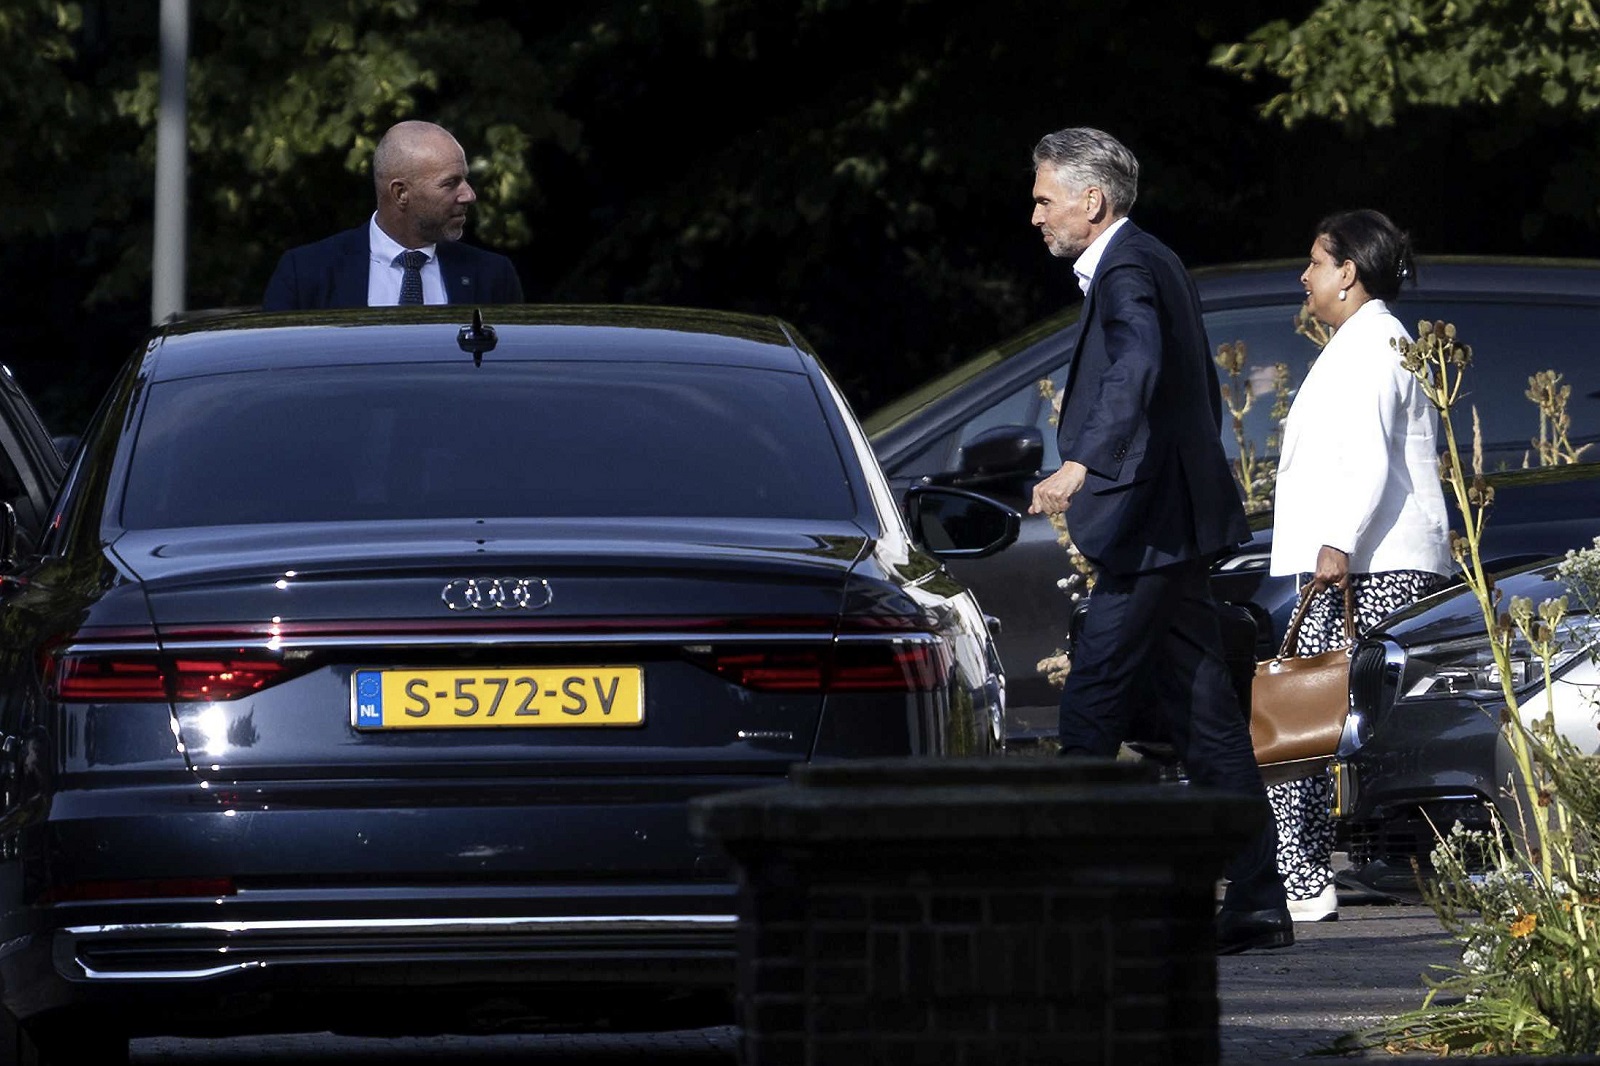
(1279, 1006)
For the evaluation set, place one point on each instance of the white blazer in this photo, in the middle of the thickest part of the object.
(1360, 464)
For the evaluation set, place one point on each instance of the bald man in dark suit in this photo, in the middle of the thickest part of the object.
(410, 251)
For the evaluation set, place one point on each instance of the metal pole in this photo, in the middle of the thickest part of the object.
(168, 268)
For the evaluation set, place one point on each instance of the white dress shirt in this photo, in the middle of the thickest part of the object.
(384, 277)
(1086, 264)
(1360, 465)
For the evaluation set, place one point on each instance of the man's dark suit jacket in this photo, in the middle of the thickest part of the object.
(1142, 412)
(333, 273)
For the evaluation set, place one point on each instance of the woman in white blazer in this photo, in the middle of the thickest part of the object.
(1358, 499)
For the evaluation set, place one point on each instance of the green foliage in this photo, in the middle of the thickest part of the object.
(59, 126)
(1529, 978)
(288, 100)
(1511, 931)
(1528, 918)
(1363, 61)
(857, 166)
(36, 39)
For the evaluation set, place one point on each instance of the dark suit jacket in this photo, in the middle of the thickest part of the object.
(1142, 411)
(333, 273)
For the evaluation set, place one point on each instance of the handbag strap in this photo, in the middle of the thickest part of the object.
(1292, 635)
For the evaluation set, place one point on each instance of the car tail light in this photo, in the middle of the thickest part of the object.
(852, 666)
(206, 679)
(96, 679)
(888, 666)
(83, 675)
(775, 669)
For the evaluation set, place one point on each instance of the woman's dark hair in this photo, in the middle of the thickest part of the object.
(1380, 251)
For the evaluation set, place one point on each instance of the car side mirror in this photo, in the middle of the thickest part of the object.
(956, 524)
(8, 536)
(1001, 452)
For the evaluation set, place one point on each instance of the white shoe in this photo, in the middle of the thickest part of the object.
(1323, 907)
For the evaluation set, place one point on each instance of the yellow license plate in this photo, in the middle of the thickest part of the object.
(541, 696)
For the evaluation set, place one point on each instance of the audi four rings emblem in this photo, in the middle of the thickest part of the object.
(497, 594)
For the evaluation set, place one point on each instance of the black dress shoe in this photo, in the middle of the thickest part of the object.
(1247, 930)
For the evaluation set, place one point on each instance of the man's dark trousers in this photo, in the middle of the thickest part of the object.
(1155, 635)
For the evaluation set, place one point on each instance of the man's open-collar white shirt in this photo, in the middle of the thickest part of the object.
(1360, 464)
(1086, 264)
(384, 277)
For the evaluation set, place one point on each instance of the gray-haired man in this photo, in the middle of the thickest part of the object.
(1150, 501)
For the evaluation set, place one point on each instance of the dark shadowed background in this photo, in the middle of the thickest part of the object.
(858, 167)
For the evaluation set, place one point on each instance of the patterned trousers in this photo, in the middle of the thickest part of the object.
(1302, 809)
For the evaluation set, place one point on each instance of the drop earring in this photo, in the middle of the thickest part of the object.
(1344, 294)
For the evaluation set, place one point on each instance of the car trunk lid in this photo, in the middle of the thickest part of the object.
(684, 649)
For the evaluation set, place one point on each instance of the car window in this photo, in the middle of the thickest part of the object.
(1027, 406)
(1258, 387)
(382, 442)
(75, 514)
(1269, 337)
(12, 490)
(1511, 342)
(30, 467)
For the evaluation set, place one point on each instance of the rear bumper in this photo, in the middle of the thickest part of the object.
(609, 947)
(412, 975)
(548, 904)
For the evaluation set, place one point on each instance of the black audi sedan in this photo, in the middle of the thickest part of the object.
(987, 425)
(366, 662)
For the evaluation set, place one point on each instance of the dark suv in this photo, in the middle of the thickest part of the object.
(987, 425)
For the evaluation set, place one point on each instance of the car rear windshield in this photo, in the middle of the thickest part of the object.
(384, 442)
(1512, 339)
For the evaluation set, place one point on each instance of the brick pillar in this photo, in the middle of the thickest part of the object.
(965, 912)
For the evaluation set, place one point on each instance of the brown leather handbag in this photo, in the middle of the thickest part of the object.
(1298, 703)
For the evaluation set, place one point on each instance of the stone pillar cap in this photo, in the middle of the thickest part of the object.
(1012, 770)
(1013, 798)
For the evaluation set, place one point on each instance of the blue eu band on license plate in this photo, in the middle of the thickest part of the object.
(549, 696)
